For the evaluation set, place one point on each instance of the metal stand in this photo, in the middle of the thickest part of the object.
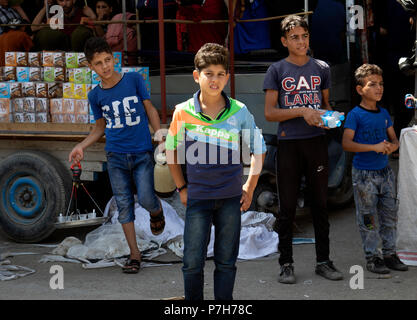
(75, 219)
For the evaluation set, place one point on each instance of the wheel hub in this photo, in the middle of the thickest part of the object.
(25, 196)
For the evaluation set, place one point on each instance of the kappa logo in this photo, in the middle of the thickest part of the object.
(232, 121)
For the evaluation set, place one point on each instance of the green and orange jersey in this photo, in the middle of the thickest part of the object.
(211, 148)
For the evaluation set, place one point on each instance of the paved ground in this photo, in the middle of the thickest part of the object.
(255, 279)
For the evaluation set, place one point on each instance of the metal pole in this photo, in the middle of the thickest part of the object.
(231, 49)
(162, 59)
(305, 5)
(124, 30)
(47, 9)
(139, 45)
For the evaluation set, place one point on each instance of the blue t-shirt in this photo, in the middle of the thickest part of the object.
(370, 127)
(127, 128)
(298, 86)
(251, 36)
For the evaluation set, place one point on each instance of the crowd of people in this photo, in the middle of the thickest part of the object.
(37, 34)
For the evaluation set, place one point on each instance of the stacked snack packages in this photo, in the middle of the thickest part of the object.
(51, 86)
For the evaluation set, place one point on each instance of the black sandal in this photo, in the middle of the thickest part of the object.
(157, 223)
(131, 266)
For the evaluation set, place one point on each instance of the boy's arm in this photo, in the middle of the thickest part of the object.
(272, 113)
(77, 153)
(351, 146)
(257, 161)
(153, 115)
(176, 173)
(394, 144)
(325, 99)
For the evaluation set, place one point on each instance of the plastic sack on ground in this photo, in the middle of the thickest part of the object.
(174, 225)
(407, 186)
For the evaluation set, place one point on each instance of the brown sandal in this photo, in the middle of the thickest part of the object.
(157, 222)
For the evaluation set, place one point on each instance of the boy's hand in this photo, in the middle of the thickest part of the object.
(183, 196)
(392, 147)
(312, 117)
(382, 147)
(246, 199)
(77, 154)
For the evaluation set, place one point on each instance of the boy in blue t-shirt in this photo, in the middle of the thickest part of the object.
(122, 107)
(368, 128)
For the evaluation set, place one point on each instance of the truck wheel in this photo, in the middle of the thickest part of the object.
(343, 194)
(35, 188)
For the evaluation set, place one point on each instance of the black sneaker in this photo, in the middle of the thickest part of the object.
(287, 274)
(376, 265)
(394, 263)
(328, 271)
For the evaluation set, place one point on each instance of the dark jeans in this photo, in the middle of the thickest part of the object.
(225, 215)
(296, 158)
(375, 194)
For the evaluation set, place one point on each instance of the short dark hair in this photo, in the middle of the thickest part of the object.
(291, 22)
(366, 70)
(96, 45)
(211, 54)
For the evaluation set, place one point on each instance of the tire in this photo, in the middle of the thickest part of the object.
(342, 195)
(35, 188)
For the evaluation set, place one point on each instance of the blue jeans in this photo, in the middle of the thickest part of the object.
(225, 215)
(127, 170)
(376, 197)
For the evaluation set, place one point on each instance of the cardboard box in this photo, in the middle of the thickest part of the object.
(41, 90)
(57, 118)
(56, 106)
(35, 59)
(15, 90)
(81, 60)
(10, 59)
(9, 73)
(54, 90)
(28, 89)
(117, 56)
(41, 105)
(22, 59)
(4, 106)
(41, 117)
(59, 59)
(35, 74)
(68, 90)
(82, 118)
(47, 59)
(30, 117)
(17, 105)
(71, 60)
(19, 117)
(22, 74)
(4, 90)
(81, 107)
(82, 76)
(29, 105)
(68, 106)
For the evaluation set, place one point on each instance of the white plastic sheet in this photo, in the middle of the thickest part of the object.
(407, 191)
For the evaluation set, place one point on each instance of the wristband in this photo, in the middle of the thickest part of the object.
(182, 188)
